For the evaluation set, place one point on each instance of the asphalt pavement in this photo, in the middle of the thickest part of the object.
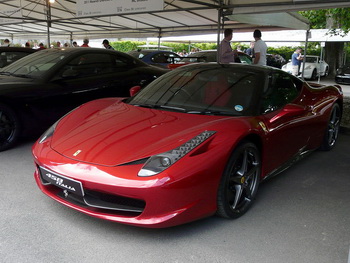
(303, 215)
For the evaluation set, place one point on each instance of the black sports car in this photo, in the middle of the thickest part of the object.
(9, 55)
(40, 88)
(343, 75)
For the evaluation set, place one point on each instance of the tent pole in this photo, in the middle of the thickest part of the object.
(305, 51)
(48, 18)
(159, 36)
(321, 58)
(218, 35)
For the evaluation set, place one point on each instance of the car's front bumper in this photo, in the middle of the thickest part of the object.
(342, 79)
(118, 194)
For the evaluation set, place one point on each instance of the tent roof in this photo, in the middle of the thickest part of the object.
(27, 19)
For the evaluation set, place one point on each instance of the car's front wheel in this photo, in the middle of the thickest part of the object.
(332, 131)
(326, 73)
(240, 181)
(314, 74)
(9, 127)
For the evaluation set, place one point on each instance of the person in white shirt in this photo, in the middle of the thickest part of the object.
(260, 49)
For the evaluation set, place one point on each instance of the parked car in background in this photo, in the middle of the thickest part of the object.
(343, 75)
(314, 67)
(159, 58)
(207, 56)
(193, 143)
(275, 60)
(9, 55)
(38, 89)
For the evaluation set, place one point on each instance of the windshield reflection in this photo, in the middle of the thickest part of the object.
(212, 90)
(33, 66)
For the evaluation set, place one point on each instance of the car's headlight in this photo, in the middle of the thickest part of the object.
(158, 163)
(49, 132)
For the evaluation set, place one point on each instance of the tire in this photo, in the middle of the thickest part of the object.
(332, 131)
(326, 73)
(314, 74)
(9, 127)
(240, 181)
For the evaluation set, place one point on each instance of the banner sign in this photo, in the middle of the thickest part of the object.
(6, 16)
(116, 7)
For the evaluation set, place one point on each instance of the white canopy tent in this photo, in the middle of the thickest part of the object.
(77, 19)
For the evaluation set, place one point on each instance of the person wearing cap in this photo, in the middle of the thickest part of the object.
(106, 44)
(86, 43)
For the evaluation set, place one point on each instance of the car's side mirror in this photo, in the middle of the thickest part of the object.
(290, 110)
(134, 90)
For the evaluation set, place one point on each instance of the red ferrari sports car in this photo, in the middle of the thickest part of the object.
(195, 142)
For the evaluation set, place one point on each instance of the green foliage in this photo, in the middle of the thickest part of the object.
(125, 46)
(286, 52)
(332, 19)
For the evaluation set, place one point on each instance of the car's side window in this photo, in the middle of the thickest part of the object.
(282, 89)
(88, 65)
(160, 58)
(7, 58)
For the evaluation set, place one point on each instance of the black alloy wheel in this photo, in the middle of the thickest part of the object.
(9, 127)
(333, 128)
(240, 181)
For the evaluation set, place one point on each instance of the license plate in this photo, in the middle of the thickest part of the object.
(68, 184)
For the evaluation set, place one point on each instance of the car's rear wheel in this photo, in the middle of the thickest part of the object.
(9, 127)
(240, 181)
(332, 130)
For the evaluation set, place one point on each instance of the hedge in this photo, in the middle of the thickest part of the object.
(286, 52)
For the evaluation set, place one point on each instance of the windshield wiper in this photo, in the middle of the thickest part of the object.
(172, 108)
(151, 106)
(22, 76)
(5, 73)
(16, 75)
(208, 112)
(156, 106)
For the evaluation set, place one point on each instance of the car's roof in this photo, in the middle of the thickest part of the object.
(211, 51)
(213, 65)
(17, 49)
(80, 50)
(148, 51)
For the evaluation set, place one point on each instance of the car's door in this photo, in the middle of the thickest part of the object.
(286, 119)
(88, 77)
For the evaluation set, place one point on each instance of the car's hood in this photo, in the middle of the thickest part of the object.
(122, 133)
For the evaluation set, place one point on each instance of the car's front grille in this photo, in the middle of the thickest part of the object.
(345, 79)
(93, 200)
(105, 203)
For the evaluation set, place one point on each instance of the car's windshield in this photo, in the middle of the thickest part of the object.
(34, 65)
(311, 59)
(213, 90)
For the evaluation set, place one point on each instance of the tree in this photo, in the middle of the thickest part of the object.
(337, 20)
